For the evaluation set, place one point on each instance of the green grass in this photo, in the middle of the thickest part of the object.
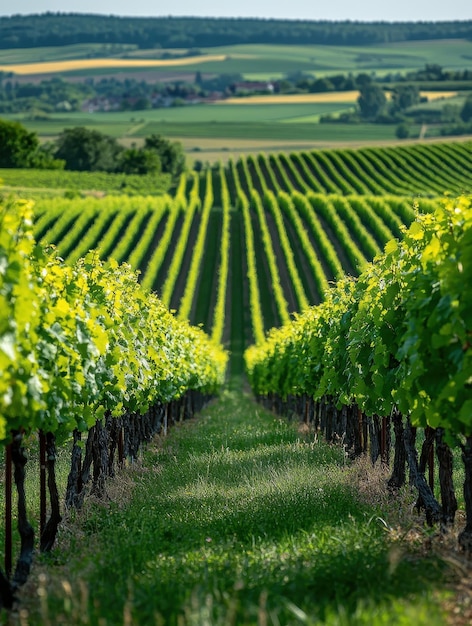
(295, 121)
(213, 123)
(238, 519)
(400, 56)
(53, 125)
(27, 179)
(221, 113)
(63, 53)
(274, 131)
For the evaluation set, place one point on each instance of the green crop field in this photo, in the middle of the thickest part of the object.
(268, 61)
(328, 59)
(343, 204)
(53, 181)
(62, 53)
(221, 127)
(211, 122)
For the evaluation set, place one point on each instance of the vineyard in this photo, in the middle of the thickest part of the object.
(290, 224)
(239, 250)
(393, 347)
(64, 331)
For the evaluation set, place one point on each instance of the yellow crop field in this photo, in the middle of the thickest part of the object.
(56, 67)
(317, 98)
(297, 98)
(436, 95)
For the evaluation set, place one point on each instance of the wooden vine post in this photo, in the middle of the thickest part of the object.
(8, 511)
(383, 442)
(49, 530)
(23, 564)
(431, 466)
(42, 481)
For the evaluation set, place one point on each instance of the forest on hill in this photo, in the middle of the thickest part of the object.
(59, 29)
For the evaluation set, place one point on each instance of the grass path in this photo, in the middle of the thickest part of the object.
(236, 518)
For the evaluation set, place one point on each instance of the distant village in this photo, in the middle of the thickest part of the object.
(157, 100)
(48, 94)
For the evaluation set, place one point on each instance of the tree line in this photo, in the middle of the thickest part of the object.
(81, 149)
(59, 29)
(402, 108)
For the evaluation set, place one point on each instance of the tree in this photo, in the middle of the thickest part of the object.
(17, 145)
(402, 131)
(171, 154)
(141, 104)
(466, 111)
(87, 150)
(450, 114)
(433, 71)
(321, 85)
(43, 158)
(363, 79)
(371, 101)
(404, 96)
(139, 161)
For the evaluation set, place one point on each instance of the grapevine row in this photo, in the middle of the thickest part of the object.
(302, 205)
(83, 348)
(313, 231)
(76, 319)
(273, 205)
(220, 306)
(254, 295)
(404, 170)
(256, 204)
(174, 269)
(372, 345)
(197, 253)
(287, 205)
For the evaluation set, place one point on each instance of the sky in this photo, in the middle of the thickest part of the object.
(360, 10)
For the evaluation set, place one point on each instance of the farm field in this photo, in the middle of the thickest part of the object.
(286, 118)
(246, 516)
(220, 128)
(217, 129)
(292, 223)
(318, 98)
(253, 61)
(52, 182)
(84, 65)
(303, 289)
(62, 53)
(292, 122)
